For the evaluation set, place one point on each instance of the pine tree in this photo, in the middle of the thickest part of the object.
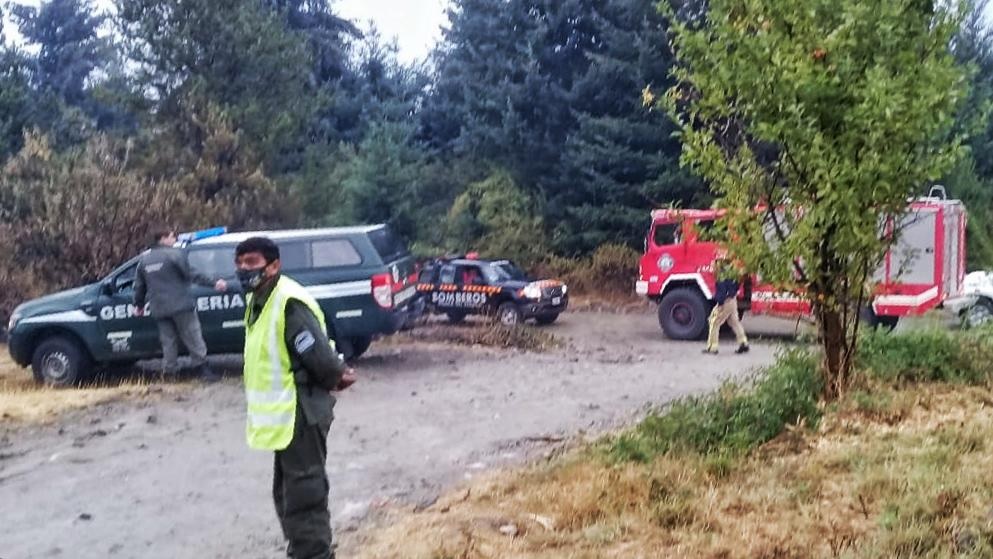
(235, 54)
(328, 39)
(621, 158)
(551, 90)
(70, 48)
(68, 58)
(15, 94)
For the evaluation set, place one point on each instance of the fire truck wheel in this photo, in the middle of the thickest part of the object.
(456, 317)
(683, 314)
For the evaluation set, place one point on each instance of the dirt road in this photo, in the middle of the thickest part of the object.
(170, 477)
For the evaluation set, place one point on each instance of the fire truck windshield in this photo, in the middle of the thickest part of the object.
(666, 234)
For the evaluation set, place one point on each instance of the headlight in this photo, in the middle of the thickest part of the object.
(565, 289)
(532, 291)
(14, 319)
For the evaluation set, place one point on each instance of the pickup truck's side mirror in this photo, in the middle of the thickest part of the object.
(106, 288)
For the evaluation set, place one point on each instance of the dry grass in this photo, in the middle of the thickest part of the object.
(623, 303)
(482, 332)
(22, 401)
(898, 473)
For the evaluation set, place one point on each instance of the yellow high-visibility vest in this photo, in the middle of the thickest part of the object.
(270, 389)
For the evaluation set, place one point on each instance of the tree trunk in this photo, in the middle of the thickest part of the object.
(837, 366)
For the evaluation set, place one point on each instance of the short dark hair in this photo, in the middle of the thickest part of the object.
(261, 245)
(160, 231)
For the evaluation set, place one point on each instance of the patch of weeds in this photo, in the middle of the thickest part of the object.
(927, 356)
(671, 507)
(961, 441)
(735, 419)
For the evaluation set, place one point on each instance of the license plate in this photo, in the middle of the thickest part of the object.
(556, 300)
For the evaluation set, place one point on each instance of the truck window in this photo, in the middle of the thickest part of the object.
(666, 234)
(213, 262)
(427, 275)
(124, 282)
(447, 274)
(388, 245)
(505, 270)
(334, 253)
(294, 256)
(469, 275)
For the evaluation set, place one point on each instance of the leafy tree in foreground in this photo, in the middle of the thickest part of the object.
(828, 114)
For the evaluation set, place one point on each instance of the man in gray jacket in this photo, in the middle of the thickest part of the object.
(164, 276)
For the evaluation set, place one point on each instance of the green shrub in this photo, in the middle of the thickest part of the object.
(498, 219)
(734, 419)
(927, 356)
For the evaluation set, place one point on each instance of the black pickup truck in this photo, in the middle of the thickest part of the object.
(458, 287)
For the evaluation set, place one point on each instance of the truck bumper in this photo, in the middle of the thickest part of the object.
(405, 317)
(544, 307)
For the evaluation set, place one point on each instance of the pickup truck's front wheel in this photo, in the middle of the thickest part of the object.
(60, 361)
(509, 314)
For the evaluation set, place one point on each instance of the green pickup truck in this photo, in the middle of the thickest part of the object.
(363, 277)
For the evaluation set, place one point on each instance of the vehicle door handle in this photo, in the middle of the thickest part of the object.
(929, 251)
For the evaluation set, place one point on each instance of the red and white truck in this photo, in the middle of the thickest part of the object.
(923, 270)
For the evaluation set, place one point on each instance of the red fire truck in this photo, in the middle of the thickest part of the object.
(922, 270)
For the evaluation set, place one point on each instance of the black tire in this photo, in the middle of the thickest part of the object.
(360, 345)
(509, 314)
(979, 314)
(60, 361)
(683, 314)
(455, 317)
(546, 319)
(353, 348)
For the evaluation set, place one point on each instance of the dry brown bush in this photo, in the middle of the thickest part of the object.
(69, 218)
(609, 273)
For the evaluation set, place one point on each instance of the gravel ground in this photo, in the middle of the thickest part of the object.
(169, 476)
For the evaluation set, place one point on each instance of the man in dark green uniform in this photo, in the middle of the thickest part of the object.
(163, 280)
(306, 365)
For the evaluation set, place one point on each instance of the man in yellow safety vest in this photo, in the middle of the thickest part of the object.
(291, 367)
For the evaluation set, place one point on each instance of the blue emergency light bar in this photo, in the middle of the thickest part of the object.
(187, 238)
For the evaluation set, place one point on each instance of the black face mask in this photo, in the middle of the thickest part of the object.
(250, 280)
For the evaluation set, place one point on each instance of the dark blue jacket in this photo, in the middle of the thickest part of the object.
(726, 289)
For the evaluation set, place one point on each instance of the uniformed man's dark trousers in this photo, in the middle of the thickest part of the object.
(300, 491)
(181, 326)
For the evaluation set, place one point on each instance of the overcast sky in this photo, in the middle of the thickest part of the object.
(416, 24)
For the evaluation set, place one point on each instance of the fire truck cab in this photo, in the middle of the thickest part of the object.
(921, 271)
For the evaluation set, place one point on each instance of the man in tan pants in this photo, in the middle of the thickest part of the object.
(725, 310)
